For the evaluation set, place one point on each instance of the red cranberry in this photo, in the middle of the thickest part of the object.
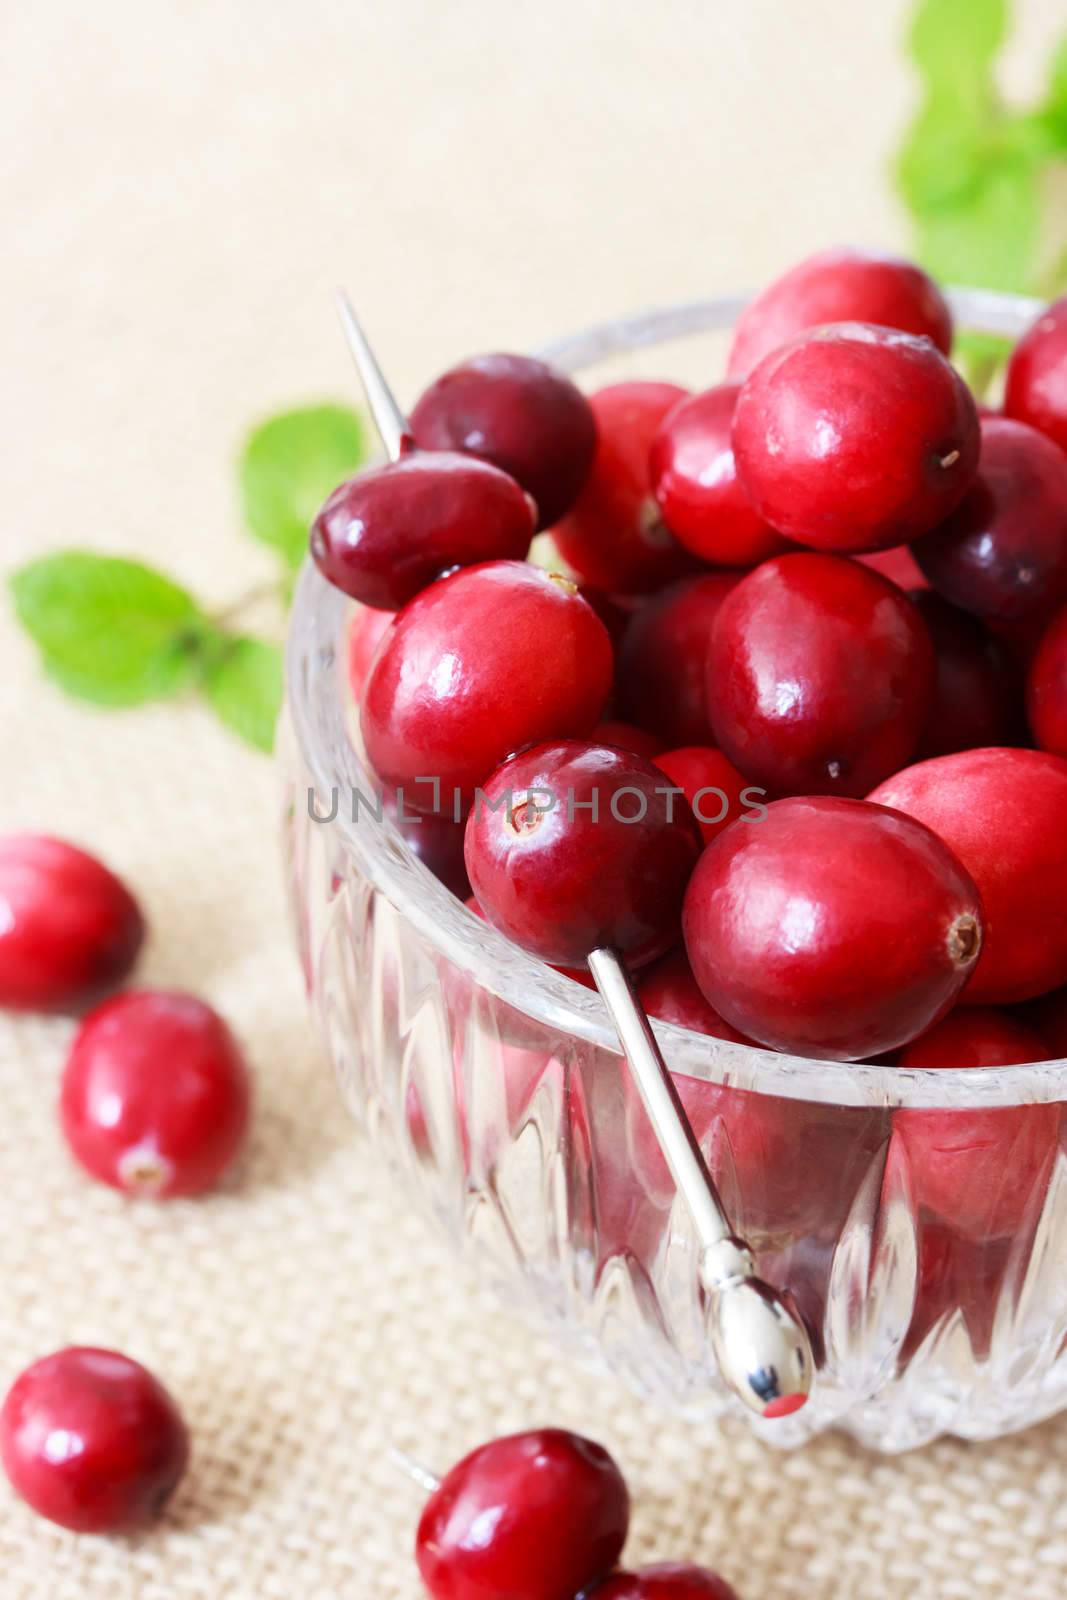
(840, 286)
(831, 928)
(668, 990)
(483, 662)
(977, 1171)
(663, 654)
(437, 841)
(1003, 552)
(519, 414)
(68, 927)
(627, 736)
(1046, 688)
(818, 676)
(613, 535)
(976, 698)
(1036, 387)
(694, 479)
(1002, 813)
(855, 438)
(364, 636)
(388, 532)
(1047, 1016)
(156, 1094)
(541, 1514)
(92, 1441)
(898, 565)
(668, 1580)
(717, 793)
(591, 852)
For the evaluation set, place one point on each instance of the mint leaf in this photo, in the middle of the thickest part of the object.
(988, 239)
(289, 464)
(954, 43)
(109, 630)
(243, 681)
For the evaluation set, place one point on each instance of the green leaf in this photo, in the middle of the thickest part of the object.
(289, 464)
(243, 681)
(941, 160)
(954, 42)
(109, 630)
(990, 238)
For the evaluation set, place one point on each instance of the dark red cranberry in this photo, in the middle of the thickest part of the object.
(613, 536)
(68, 927)
(521, 415)
(854, 438)
(717, 793)
(669, 991)
(898, 565)
(92, 1441)
(976, 694)
(668, 1580)
(591, 852)
(819, 676)
(832, 928)
(1002, 813)
(1047, 1016)
(694, 480)
(662, 658)
(388, 532)
(1046, 688)
(364, 636)
(156, 1094)
(482, 663)
(1036, 387)
(627, 736)
(1002, 555)
(840, 286)
(541, 1514)
(437, 841)
(525, 1030)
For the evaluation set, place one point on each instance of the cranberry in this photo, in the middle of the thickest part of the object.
(663, 655)
(388, 532)
(1046, 688)
(976, 698)
(897, 564)
(626, 736)
(831, 928)
(1047, 1016)
(541, 1514)
(613, 535)
(717, 793)
(364, 636)
(592, 852)
(855, 438)
(1003, 553)
(155, 1096)
(840, 286)
(1002, 813)
(68, 927)
(668, 1580)
(1036, 387)
(818, 676)
(437, 841)
(694, 479)
(493, 658)
(519, 414)
(92, 1441)
(669, 991)
(977, 1171)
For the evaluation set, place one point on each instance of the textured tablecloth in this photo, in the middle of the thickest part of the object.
(184, 184)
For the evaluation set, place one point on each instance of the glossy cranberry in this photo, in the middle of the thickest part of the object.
(668, 990)
(840, 286)
(854, 438)
(155, 1096)
(976, 696)
(365, 632)
(897, 564)
(694, 479)
(1036, 386)
(613, 536)
(482, 663)
(832, 928)
(541, 1514)
(383, 535)
(661, 662)
(977, 1171)
(521, 415)
(1002, 554)
(591, 852)
(667, 1580)
(1002, 813)
(1046, 688)
(717, 793)
(68, 927)
(92, 1441)
(437, 841)
(819, 676)
(627, 736)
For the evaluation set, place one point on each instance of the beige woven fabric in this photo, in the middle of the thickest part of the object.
(187, 182)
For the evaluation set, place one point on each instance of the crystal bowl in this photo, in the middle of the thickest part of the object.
(494, 1088)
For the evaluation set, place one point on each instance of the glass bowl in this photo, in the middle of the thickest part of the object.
(494, 1087)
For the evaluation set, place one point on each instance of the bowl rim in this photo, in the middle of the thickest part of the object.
(319, 718)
